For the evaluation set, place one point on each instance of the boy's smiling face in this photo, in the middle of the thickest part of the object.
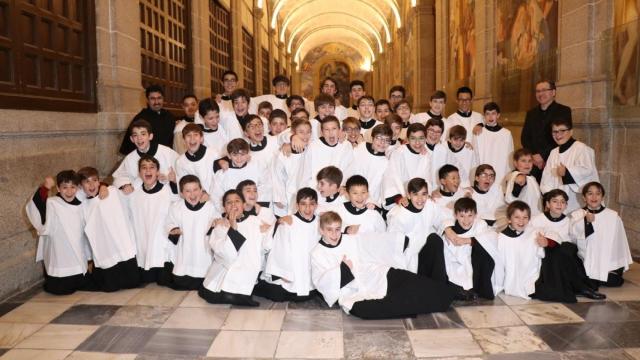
(419, 199)
(193, 140)
(255, 130)
(91, 185)
(149, 173)
(519, 220)
(68, 190)
(191, 192)
(451, 182)
(358, 195)
(331, 233)
(141, 138)
(466, 218)
(307, 207)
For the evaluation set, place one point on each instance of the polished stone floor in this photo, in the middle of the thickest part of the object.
(158, 323)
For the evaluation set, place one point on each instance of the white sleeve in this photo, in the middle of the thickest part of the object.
(222, 246)
(325, 278)
(583, 170)
(120, 176)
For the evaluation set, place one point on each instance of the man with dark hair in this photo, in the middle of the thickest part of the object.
(396, 93)
(536, 133)
(160, 119)
(464, 115)
(356, 91)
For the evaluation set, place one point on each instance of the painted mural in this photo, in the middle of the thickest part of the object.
(462, 43)
(626, 52)
(336, 60)
(527, 42)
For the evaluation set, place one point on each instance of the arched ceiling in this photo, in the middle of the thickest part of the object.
(365, 25)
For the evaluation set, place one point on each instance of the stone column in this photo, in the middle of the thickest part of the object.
(281, 57)
(426, 53)
(236, 40)
(257, 50)
(272, 49)
(200, 49)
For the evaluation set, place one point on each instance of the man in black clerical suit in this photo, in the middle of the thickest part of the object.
(536, 133)
(162, 121)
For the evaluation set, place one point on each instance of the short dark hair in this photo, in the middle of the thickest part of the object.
(351, 120)
(481, 168)
(393, 119)
(294, 97)
(356, 180)
(323, 99)
(585, 188)
(546, 197)
(381, 102)
(417, 184)
(328, 119)
(236, 145)
(248, 120)
(277, 114)
(518, 205)
(400, 88)
(438, 94)
(559, 121)
(464, 90)
(87, 172)
(207, 105)
(299, 110)
(402, 102)
(153, 88)
(331, 174)
(229, 72)
(521, 153)
(240, 93)
(191, 127)
(416, 127)
(366, 97)
(189, 96)
(446, 170)
(381, 129)
(299, 122)
(231, 192)
(187, 179)
(244, 183)
(457, 132)
(490, 106)
(280, 78)
(265, 105)
(552, 84)
(435, 122)
(465, 204)
(356, 83)
(148, 158)
(306, 193)
(140, 123)
(67, 176)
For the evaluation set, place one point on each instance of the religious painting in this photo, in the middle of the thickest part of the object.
(462, 40)
(410, 59)
(626, 52)
(527, 42)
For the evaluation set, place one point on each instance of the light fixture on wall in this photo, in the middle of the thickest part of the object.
(366, 65)
(414, 3)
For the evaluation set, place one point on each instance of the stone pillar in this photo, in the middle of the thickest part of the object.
(257, 50)
(485, 28)
(236, 40)
(281, 57)
(200, 49)
(426, 53)
(272, 49)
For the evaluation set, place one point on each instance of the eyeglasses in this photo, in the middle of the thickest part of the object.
(464, 100)
(487, 175)
(403, 107)
(559, 131)
(439, 132)
(414, 138)
(395, 96)
(383, 139)
(540, 91)
(230, 80)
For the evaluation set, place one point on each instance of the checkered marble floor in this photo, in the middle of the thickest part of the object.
(159, 323)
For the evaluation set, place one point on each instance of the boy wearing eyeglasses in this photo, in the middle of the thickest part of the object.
(570, 165)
